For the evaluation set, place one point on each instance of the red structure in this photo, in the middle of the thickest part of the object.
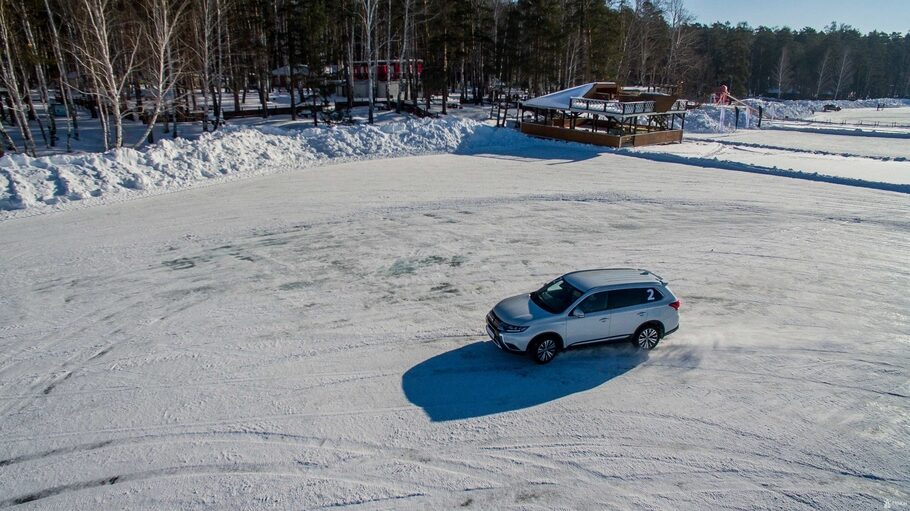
(721, 96)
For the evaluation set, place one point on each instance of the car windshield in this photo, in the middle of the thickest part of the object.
(556, 296)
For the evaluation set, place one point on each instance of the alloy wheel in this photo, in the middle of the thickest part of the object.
(546, 350)
(648, 338)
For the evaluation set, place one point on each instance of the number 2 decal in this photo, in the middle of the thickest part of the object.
(650, 294)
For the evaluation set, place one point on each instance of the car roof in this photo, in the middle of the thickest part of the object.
(589, 279)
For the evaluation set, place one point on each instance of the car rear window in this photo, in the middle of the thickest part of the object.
(636, 296)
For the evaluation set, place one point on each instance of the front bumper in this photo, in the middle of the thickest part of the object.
(501, 342)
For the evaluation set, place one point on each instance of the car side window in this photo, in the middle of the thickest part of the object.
(594, 303)
(628, 297)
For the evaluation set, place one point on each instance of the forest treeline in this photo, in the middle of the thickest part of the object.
(141, 59)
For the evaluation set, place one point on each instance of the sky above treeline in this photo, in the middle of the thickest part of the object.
(866, 16)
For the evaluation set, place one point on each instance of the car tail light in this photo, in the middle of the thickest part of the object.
(675, 305)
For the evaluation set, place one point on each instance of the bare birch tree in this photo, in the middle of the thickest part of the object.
(824, 73)
(159, 33)
(367, 13)
(205, 29)
(108, 54)
(62, 80)
(679, 52)
(39, 76)
(783, 72)
(9, 75)
(844, 72)
(401, 52)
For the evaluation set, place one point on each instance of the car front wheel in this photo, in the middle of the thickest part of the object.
(544, 350)
(647, 337)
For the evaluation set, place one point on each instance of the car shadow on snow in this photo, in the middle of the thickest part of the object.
(479, 379)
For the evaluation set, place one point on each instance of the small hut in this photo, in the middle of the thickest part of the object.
(604, 113)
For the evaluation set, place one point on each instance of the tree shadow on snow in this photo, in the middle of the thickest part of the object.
(479, 379)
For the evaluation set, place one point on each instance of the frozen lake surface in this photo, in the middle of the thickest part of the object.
(315, 339)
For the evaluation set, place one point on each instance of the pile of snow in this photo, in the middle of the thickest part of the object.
(53, 181)
(716, 119)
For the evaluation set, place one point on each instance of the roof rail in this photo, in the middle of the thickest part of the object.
(651, 273)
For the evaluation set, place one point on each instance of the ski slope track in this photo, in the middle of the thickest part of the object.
(312, 336)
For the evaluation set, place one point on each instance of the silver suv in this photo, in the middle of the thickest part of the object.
(586, 307)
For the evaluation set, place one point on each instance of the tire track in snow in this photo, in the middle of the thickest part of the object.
(777, 376)
(342, 377)
(277, 469)
(221, 422)
(215, 436)
(69, 366)
(796, 150)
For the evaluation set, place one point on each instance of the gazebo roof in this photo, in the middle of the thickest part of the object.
(559, 100)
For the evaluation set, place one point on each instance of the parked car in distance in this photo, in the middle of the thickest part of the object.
(830, 107)
(586, 307)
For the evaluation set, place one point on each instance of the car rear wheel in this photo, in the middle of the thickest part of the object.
(544, 350)
(647, 337)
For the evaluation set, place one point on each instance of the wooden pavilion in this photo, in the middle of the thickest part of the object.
(604, 113)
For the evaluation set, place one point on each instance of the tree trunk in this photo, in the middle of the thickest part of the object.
(42, 85)
(7, 140)
(65, 92)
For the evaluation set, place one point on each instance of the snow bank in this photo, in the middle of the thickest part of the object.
(798, 109)
(784, 162)
(54, 181)
(714, 119)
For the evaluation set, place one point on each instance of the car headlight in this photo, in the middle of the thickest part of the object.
(512, 329)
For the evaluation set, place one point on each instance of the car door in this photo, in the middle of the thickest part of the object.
(629, 308)
(594, 326)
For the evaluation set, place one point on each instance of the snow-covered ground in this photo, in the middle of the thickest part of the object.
(314, 338)
(734, 154)
(53, 182)
(842, 143)
(37, 185)
(866, 116)
(805, 109)
(877, 157)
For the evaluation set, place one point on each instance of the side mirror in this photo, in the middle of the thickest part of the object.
(578, 313)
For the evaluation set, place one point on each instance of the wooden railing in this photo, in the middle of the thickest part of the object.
(611, 106)
(680, 105)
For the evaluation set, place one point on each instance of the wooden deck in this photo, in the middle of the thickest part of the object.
(602, 139)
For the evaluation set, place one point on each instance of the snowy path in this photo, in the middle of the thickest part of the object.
(869, 161)
(821, 143)
(866, 116)
(314, 339)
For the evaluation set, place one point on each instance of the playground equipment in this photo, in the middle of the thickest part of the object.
(721, 97)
